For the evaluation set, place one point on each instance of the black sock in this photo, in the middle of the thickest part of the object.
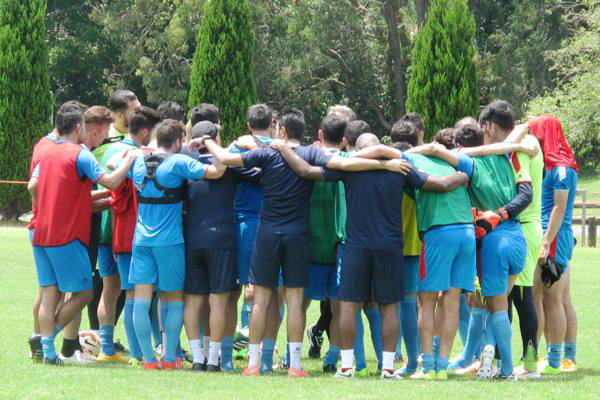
(522, 297)
(92, 307)
(69, 346)
(324, 321)
(120, 305)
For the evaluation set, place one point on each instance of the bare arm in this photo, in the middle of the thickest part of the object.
(32, 187)
(556, 218)
(100, 205)
(445, 183)
(100, 194)
(114, 179)
(378, 152)
(437, 151)
(500, 148)
(215, 171)
(518, 133)
(220, 154)
(361, 164)
(298, 164)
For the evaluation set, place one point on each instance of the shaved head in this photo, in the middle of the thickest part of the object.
(366, 140)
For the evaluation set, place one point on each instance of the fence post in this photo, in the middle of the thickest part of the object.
(592, 231)
(583, 219)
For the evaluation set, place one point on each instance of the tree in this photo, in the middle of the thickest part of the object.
(223, 70)
(577, 95)
(25, 100)
(443, 83)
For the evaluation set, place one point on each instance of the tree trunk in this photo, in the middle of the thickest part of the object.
(395, 55)
(421, 6)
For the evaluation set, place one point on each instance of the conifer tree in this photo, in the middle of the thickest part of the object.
(25, 98)
(443, 85)
(222, 72)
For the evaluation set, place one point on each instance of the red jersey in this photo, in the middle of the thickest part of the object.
(38, 152)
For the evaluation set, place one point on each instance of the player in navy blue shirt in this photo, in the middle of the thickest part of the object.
(282, 238)
(211, 270)
(373, 254)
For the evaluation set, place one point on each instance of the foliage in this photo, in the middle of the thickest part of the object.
(577, 95)
(443, 76)
(223, 70)
(25, 100)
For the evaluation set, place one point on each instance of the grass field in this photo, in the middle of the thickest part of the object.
(23, 380)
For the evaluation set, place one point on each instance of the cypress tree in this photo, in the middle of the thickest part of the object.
(443, 84)
(222, 72)
(25, 99)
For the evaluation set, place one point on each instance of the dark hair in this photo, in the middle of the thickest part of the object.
(416, 119)
(333, 128)
(354, 129)
(97, 115)
(405, 131)
(205, 112)
(292, 120)
(259, 116)
(343, 111)
(67, 118)
(499, 112)
(469, 136)
(445, 137)
(73, 105)
(204, 128)
(120, 99)
(143, 117)
(168, 131)
(402, 146)
(465, 121)
(171, 110)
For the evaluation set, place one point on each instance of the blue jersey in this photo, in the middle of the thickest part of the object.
(210, 218)
(161, 224)
(249, 195)
(564, 179)
(286, 196)
(374, 207)
(87, 166)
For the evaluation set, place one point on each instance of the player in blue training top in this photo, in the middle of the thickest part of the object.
(282, 237)
(158, 257)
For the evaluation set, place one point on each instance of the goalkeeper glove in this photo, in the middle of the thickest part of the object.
(479, 231)
(489, 220)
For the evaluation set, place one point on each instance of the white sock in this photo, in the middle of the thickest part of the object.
(206, 345)
(164, 342)
(295, 354)
(253, 354)
(347, 358)
(388, 360)
(196, 348)
(213, 353)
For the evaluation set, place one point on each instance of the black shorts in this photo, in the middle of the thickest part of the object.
(211, 271)
(271, 251)
(371, 275)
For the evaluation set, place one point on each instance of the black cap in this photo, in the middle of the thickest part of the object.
(204, 128)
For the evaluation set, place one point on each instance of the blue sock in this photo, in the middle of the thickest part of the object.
(143, 329)
(178, 350)
(172, 327)
(503, 334)
(57, 330)
(436, 345)
(410, 331)
(463, 321)
(107, 344)
(245, 314)
(155, 322)
(134, 345)
(359, 344)
(428, 362)
(399, 341)
(226, 350)
(287, 352)
(266, 358)
(474, 336)
(490, 338)
(554, 351)
(281, 313)
(570, 350)
(48, 347)
(374, 318)
(332, 357)
(441, 363)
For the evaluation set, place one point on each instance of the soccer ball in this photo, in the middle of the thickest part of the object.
(240, 339)
(90, 343)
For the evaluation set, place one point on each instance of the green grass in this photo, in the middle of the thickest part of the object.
(23, 380)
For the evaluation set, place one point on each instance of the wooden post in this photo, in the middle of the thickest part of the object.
(592, 231)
